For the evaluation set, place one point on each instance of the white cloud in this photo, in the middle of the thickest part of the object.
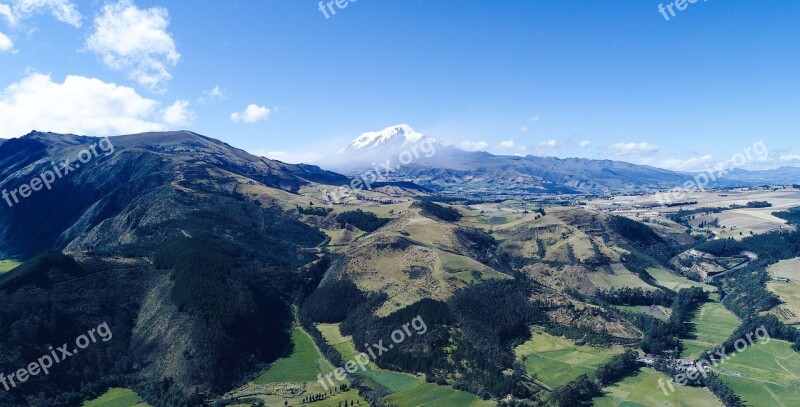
(135, 40)
(251, 114)
(633, 148)
(584, 143)
(5, 11)
(551, 144)
(535, 118)
(507, 144)
(79, 105)
(469, 145)
(214, 94)
(178, 113)
(510, 146)
(678, 164)
(524, 129)
(5, 43)
(63, 10)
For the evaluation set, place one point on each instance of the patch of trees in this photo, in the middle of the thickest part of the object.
(634, 231)
(493, 314)
(366, 221)
(660, 336)
(481, 244)
(721, 390)
(758, 204)
(331, 302)
(578, 392)
(792, 216)
(313, 211)
(445, 213)
(635, 296)
(41, 271)
(619, 367)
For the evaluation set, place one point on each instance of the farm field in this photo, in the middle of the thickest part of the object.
(765, 374)
(556, 361)
(302, 365)
(713, 325)
(675, 282)
(787, 291)
(8, 265)
(406, 390)
(642, 390)
(622, 277)
(339, 399)
(117, 397)
(654, 311)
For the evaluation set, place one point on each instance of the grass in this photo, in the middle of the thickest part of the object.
(337, 400)
(788, 292)
(406, 390)
(8, 265)
(713, 325)
(303, 365)
(431, 395)
(764, 374)
(117, 397)
(675, 282)
(654, 311)
(556, 360)
(643, 390)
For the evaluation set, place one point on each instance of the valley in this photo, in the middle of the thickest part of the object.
(257, 288)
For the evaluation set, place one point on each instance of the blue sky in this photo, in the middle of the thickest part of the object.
(599, 79)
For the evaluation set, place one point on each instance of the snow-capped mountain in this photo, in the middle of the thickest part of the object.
(390, 137)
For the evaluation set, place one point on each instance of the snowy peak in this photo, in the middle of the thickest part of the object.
(398, 135)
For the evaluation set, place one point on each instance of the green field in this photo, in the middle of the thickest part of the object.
(337, 400)
(642, 390)
(654, 311)
(8, 265)
(556, 361)
(431, 395)
(713, 325)
(303, 365)
(675, 282)
(406, 390)
(765, 374)
(117, 397)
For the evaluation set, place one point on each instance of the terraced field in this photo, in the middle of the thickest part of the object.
(765, 374)
(642, 390)
(713, 325)
(406, 390)
(117, 397)
(556, 361)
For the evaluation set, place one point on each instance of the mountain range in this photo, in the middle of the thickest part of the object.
(448, 169)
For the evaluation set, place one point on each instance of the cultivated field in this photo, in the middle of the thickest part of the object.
(787, 291)
(556, 361)
(117, 397)
(642, 390)
(713, 324)
(765, 374)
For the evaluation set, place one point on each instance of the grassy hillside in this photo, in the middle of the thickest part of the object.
(643, 390)
(765, 374)
(117, 397)
(303, 365)
(556, 361)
